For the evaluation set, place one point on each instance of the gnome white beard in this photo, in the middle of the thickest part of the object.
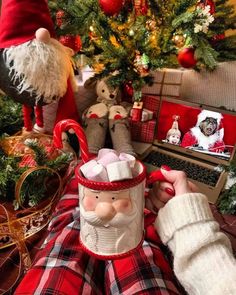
(42, 69)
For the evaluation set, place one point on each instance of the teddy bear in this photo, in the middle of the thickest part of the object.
(107, 113)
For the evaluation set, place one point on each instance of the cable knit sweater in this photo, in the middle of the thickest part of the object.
(203, 259)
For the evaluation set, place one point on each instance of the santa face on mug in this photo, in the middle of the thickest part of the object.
(108, 208)
(111, 221)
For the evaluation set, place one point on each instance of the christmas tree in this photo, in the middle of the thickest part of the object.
(131, 38)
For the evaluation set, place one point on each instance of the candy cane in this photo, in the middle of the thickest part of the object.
(65, 125)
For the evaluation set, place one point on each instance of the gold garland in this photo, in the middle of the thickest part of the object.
(35, 218)
(16, 230)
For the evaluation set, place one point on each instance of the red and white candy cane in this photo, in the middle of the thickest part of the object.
(65, 125)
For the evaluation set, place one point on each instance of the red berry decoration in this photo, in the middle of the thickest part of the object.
(60, 17)
(73, 42)
(111, 7)
(186, 58)
(217, 38)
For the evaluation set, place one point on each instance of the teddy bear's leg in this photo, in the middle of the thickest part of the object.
(120, 130)
(95, 125)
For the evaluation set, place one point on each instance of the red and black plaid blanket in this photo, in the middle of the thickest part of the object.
(62, 267)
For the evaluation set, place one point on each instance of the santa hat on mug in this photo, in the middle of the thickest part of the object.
(210, 114)
(40, 63)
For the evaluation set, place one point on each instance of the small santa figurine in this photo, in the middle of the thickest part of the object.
(173, 135)
(208, 133)
(35, 68)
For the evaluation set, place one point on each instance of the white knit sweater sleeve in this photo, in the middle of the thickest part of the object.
(203, 259)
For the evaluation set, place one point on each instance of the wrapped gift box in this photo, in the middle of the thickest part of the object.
(151, 103)
(166, 82)
(143, 131)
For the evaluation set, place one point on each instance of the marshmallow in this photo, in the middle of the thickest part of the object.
(119, 171)
(129, 158)
(108, 158)
(97, 173)
(104, 151)
(87, 167)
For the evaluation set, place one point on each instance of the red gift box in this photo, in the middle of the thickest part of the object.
(151, 103)
(143, 131)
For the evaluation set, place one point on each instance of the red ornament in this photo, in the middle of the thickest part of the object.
(73, 42)
(111, 7)
(186, 58)
(128, 90)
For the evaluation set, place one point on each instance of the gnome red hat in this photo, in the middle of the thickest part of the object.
(20, 19)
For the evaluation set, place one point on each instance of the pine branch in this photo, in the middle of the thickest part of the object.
(60, 162)
(227, 202)
(39, 152)
(205, 53)
(11, 119)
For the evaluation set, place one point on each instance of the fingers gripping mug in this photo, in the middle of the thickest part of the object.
(111, 213)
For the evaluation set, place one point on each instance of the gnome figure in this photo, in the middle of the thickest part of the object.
(35, 69)
(208, 133)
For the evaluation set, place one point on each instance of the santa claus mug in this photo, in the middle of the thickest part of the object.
(111, 213)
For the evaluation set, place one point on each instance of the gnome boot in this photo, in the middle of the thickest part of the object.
(120, 135)
(95, 130)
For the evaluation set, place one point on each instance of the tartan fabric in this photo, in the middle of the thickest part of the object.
(62, 267)
(151, 103)
(143, 131)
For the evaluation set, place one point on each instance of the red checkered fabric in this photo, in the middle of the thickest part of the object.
(142, 131)
(62, 267)
(151, 103)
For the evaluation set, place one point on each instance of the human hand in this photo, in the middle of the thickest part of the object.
(161, 192)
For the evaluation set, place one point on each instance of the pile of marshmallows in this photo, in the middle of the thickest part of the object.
(109, 166)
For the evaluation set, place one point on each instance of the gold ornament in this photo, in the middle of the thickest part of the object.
(179, 40)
